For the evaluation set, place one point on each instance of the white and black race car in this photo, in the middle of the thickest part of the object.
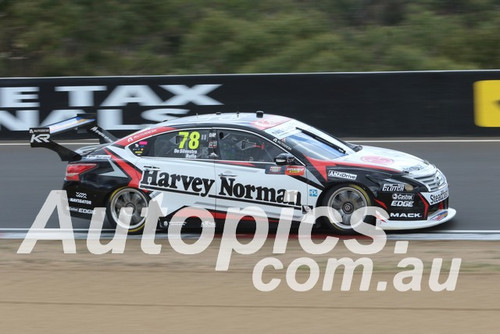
(220, 161)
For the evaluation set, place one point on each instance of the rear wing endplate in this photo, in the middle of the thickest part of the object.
(42, 136)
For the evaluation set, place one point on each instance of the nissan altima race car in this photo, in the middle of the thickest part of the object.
(219, 161)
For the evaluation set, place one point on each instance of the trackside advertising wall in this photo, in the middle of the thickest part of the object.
(386, 104)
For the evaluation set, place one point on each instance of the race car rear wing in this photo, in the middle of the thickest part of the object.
(42, 136)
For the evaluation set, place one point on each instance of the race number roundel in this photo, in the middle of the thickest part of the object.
(374, 159)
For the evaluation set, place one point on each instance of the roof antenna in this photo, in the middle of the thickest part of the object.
(259, 113)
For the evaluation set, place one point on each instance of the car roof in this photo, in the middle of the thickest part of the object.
(258, 120)
(255, 121)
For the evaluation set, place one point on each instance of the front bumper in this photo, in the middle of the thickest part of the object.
(439, 217)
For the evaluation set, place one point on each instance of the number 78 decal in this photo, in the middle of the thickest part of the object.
(194, 139)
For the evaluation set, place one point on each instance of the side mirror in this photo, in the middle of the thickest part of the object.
(284, 159)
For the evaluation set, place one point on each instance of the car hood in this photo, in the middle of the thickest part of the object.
(376, 157)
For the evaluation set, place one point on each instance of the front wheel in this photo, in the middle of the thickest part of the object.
(127, 198)
(345, 199)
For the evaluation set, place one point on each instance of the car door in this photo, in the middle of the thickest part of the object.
(179, 165)
(246, 175)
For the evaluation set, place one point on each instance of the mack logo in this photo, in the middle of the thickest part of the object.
(405, 215)
(187, 183)
(248, 191)
(342, 175)
(393, 187)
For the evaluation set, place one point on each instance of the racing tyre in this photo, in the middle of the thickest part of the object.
(123, 198)
(345, 199)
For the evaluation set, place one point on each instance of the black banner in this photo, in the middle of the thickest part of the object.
(387, 104)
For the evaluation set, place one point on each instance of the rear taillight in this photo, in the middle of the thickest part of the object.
(73, 171)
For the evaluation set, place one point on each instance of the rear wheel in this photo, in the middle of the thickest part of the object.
(345, 199)
(128, 198)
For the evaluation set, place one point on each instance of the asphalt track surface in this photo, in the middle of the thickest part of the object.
(472, 168)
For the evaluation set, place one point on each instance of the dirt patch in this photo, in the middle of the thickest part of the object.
(48, 291)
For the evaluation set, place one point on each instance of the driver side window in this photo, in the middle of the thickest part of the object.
(244, 146)
(183, 144)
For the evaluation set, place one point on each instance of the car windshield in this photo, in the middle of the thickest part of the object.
(310, 141)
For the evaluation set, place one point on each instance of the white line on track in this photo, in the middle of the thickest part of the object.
(467, 231)
(436, 235)
(445, 236)
(21, 229)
